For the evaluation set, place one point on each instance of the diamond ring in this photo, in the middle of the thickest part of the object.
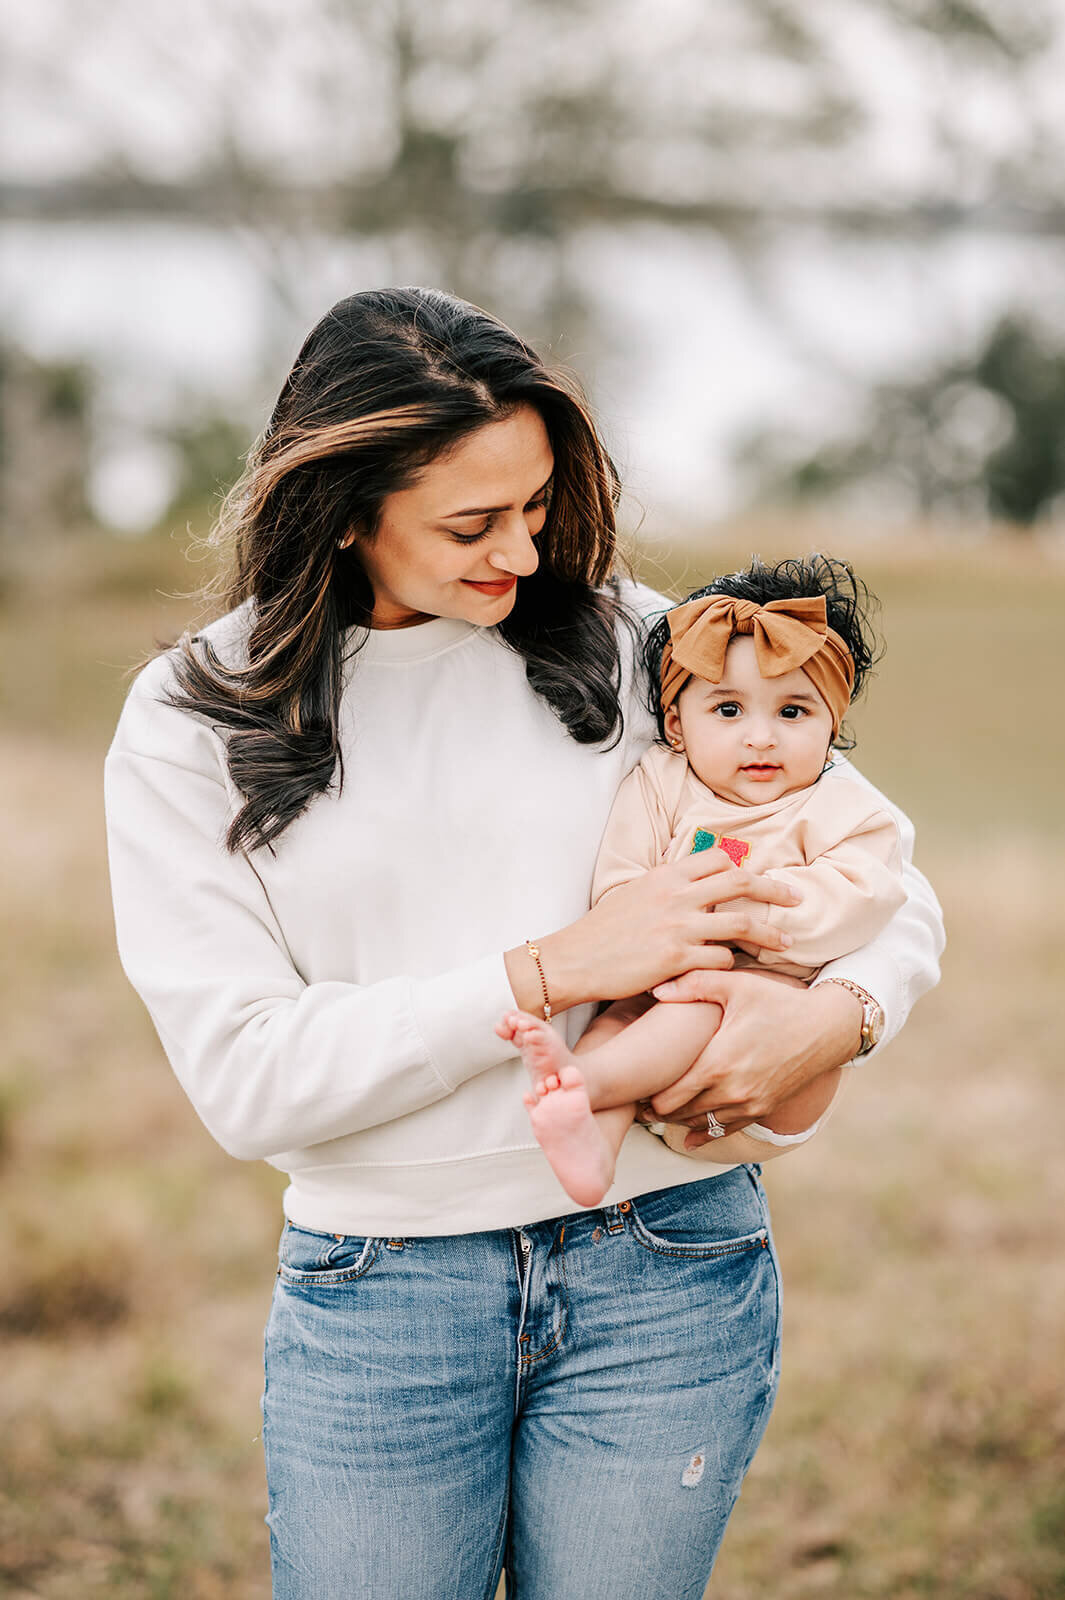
(715, 1129)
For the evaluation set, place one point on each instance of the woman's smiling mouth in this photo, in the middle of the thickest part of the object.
(497, 587)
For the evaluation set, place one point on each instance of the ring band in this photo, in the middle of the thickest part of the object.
(715, 1129)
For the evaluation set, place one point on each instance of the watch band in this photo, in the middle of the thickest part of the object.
(872, 1015)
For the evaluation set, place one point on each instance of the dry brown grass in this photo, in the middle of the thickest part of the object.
(919, 1443)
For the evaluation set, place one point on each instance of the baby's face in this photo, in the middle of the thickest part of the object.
(751, 739)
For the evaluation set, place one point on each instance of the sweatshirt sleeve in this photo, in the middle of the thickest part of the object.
(901, 963)
(850, 888)
(636, 834)
(270, 1062)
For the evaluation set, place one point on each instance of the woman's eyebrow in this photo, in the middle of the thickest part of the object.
(487, 511)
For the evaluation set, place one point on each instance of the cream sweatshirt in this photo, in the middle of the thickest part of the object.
(328, 1005)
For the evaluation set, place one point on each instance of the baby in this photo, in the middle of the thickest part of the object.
(754, 675)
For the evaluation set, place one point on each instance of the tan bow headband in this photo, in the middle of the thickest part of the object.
(787, 634)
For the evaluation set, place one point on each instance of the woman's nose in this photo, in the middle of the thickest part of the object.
(514, 549)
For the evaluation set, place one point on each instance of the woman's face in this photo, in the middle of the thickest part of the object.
(457, 541)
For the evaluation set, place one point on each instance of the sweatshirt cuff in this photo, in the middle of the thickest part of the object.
(456, 1013)
(877, 977)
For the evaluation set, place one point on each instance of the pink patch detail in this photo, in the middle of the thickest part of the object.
(737, 850)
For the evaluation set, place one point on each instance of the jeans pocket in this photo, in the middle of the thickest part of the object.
(305, 1257)
(719, 1216)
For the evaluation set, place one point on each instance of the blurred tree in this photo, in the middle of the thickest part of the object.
(481, 143)
(210, 450)
(45, 427)
(459, 130)
(975, 438)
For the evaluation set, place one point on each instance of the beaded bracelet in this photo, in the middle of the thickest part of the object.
(535, 953)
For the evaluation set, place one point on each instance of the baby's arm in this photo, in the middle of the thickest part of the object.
(637, 834)
(851, 887)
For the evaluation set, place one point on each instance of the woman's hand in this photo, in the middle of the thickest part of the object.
(673, 919)
(775, 1036)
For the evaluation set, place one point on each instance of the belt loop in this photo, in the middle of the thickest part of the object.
(613, 1219)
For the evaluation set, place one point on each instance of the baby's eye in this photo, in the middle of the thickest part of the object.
(792, 713)
(727, 709)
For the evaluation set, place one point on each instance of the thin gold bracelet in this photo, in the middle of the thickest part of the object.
(535, 953)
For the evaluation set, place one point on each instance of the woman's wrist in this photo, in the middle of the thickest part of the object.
(560, 975)
(838, 1015)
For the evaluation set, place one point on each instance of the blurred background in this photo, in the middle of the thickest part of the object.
(807, 257)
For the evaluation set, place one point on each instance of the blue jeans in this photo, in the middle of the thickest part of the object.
(577, 1400)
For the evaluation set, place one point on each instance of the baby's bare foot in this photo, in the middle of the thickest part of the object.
(542, 1049)
(571, 1139)
(560, 1110)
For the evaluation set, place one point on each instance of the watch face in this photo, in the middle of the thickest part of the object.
(873, 1024)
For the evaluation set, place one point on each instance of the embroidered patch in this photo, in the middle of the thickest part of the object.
(737, 850)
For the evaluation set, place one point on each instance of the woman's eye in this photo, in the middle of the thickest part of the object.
(541, 503)
(472, 538)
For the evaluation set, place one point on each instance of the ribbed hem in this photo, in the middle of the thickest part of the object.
(471, 1194)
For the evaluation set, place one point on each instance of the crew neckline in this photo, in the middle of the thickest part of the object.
(396, 645)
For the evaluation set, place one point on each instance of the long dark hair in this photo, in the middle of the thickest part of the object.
(848, 605)
(386, 382)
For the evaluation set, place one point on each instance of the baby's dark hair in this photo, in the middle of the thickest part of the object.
(848, 605)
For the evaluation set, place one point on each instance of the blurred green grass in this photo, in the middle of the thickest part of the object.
(918, 1444)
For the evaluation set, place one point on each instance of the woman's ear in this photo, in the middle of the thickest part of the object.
(671, 722)
(347, 540)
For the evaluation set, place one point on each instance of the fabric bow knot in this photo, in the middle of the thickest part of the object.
(788, 634)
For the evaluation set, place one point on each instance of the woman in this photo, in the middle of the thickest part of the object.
(337, 817)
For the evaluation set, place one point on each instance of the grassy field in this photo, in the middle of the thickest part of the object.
(918, 1447)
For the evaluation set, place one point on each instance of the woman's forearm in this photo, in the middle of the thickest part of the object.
(776, 1037)
(675, 918)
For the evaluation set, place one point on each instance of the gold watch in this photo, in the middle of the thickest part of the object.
(872, 1015)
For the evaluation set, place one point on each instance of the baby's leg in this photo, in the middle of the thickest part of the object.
(761, 1141)
(633, 1063)
(802, 1109)
(581, 1114)
(796, 1114)
(609, 1022)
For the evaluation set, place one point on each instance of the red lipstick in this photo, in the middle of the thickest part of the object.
(493, 590)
